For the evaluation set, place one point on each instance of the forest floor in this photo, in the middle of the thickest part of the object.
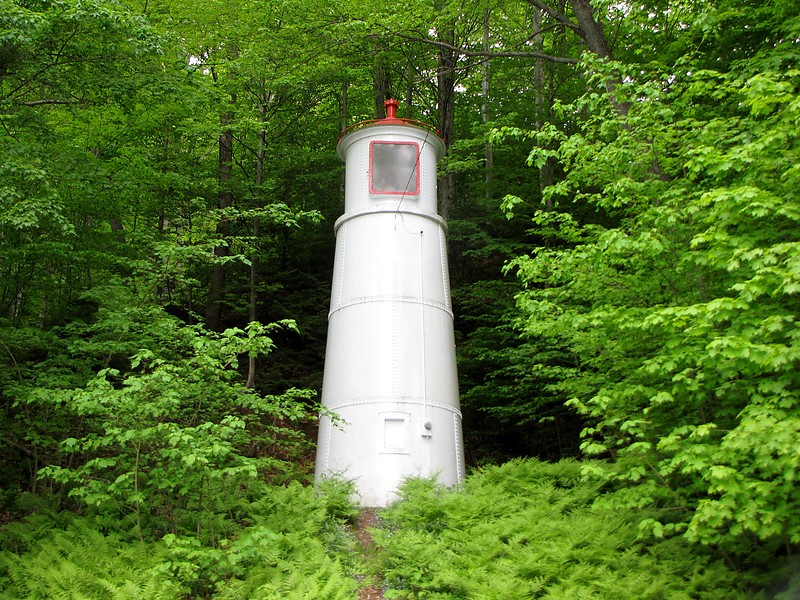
(368, 518)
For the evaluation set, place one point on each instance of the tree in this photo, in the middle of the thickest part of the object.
(678, 306)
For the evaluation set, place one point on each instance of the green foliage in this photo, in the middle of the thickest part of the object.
(336, 495)
(167, 437)
(289, 541)
(81, 562)
(286, 543)
(680, 308)
(529, 530)
(145, 420)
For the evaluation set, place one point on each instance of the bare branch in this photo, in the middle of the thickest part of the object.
(506, 54)
(558, 16)
(49, 101)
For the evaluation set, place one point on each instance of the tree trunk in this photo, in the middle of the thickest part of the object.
(591, 32)
(591, 28)
(345, 107)
(254, 262)
(224, 200)
(485, 81)
(381, 86)
(118, 229)
(263, 103)
(345, 116)
(411, 80)
(445, 92)
(597, 42)
(542, 101)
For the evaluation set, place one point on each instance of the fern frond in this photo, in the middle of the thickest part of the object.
(80, 563)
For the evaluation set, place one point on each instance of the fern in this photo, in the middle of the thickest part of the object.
(531, 530)
(322, 579)
(293, 547)
(289, 543)
(80, 563)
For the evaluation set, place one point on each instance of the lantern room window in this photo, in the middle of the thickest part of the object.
(394, 168)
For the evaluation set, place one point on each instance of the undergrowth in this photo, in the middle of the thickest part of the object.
(529, 529)
(290, 543)
(525, 529)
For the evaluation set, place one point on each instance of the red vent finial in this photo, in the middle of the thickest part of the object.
(391, 108)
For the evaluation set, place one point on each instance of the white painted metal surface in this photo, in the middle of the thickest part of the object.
(390, 367)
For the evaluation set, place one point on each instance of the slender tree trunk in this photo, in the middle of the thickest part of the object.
(253, 312)
(345, 118)
(224, 200)
(597, 42)
(445, 96)
(590, 29)
(485, 117)
(410, 81)
(381, 86)
(542, 101)
(254, 262)
(345, 106)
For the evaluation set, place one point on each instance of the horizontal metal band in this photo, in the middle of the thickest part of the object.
(395, 401)
(392, 211)
(391, 299)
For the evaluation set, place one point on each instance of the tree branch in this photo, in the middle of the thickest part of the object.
(507, 54)
(558, 16)
(49, 101)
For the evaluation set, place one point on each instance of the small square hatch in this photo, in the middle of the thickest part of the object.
(395, 432)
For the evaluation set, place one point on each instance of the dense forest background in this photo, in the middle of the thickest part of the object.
(621, 187)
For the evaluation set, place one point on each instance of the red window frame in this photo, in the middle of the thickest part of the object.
(373, 189)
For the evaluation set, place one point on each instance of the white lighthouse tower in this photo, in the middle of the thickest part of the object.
(390, 366)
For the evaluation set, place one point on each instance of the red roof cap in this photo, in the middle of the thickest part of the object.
(391, 119)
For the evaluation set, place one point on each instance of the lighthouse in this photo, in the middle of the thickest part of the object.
(390, 377)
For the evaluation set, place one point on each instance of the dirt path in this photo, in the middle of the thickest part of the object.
(367, 519)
